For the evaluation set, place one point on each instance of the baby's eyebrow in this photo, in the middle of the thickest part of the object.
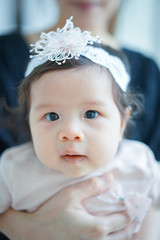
(40, 107)
(95, 103)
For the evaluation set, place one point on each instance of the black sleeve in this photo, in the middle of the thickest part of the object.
(3, 237)
(14, 55)
(145, 78)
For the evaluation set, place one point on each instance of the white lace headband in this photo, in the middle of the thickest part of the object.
(69, 42)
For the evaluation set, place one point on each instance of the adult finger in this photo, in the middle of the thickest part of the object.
(100, 227)
(88, 188)
(124, 234)
(114, 222)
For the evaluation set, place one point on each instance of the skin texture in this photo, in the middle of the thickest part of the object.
(74, 137)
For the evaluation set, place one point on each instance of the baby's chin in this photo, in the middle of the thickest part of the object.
(77, 173)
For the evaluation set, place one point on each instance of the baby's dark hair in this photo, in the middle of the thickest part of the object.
(123, 100)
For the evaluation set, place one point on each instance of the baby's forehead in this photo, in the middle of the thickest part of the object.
(83, 71)
(75, 89)
(91, 70)
(90, 77)
(84, 76)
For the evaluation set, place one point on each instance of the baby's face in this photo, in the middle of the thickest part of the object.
(75, 124)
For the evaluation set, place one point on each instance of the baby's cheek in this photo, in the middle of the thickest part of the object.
(40, 147)
(107, 152)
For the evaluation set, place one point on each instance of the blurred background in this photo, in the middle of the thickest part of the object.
(137, 25)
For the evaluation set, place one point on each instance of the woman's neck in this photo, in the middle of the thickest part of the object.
(95, 29)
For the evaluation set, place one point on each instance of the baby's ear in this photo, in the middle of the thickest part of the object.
(128, 112)
(125, 119)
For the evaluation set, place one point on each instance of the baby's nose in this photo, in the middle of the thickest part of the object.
(72, 133)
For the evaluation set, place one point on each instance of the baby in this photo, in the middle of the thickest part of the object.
(76, 99)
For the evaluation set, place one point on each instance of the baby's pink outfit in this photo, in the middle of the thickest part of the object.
(25, 183)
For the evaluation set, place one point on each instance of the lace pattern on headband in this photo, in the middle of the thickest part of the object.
(69, 42)
(64, 44)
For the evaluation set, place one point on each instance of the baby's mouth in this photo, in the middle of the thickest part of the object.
(73, 159)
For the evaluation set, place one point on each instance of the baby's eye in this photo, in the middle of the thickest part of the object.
(52, 116)
(91, 114)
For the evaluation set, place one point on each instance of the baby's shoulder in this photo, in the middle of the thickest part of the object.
(135, 153)
(134, 146)
(17, 154)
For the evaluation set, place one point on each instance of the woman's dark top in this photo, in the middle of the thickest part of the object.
(145, 78)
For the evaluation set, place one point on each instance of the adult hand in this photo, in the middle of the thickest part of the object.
(63, 217)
